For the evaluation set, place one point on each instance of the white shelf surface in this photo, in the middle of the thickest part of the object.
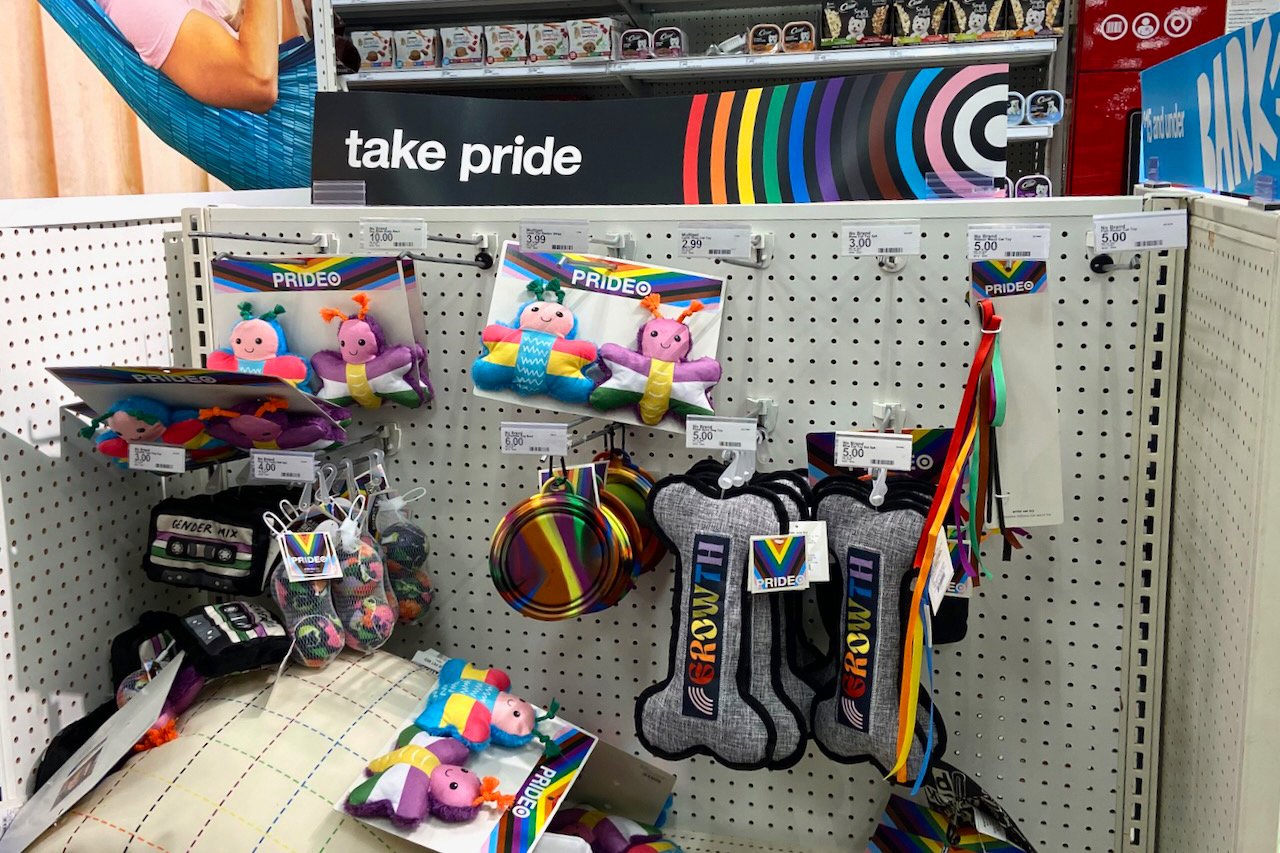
(716, 67)
(1030, 132)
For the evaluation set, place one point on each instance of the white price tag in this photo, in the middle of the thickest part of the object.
(880, 238)
(940, 572)
(1161, 229)
(707, 433)
(815, 538)
(161, 458)
(715, 240)
(890, 450)
(432, 660)
(535, 439)
(556, 236)
(1008, 242)
(288, 466)
(392, 235)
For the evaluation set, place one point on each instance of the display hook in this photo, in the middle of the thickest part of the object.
(482, 260)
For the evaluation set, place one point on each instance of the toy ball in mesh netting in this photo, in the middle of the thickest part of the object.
(405, 546)
(131, 686)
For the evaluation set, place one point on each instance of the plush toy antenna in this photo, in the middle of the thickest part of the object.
(271, 404)
(650, 303)
(361, 299)
(551, 712)
(88, 431)
(554, 287)
(270, 315)
(246, 310)
(215, 412)
(489, 793)
(694, 307)
(331, 314)
(536, 287)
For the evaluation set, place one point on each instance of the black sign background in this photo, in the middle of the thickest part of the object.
(631, 149)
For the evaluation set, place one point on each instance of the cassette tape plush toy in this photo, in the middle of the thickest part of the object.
(657, 376)
(537, 353)
(472, 705)
(258, 346)
(365, 369)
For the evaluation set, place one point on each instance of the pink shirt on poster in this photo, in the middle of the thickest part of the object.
(151, 26)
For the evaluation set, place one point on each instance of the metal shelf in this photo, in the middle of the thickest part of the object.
(1030, 133)
(432, 11)
(722, 67)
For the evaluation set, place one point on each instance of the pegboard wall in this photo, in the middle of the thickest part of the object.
(1032, 698)
(71, 573)
(1219, 784)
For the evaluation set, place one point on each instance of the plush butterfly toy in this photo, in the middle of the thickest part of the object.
(424, 776)
(269, 425)
(258, 346)
(537, 353)
(657, 376)
(365, 369)
(472, 705)
(142, 420)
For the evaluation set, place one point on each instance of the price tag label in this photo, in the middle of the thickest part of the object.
(940, 572)
(287, 466)
(880, 238)
(815, 537)
(535, 439)
(161, 458)
(1160, 229)
(707, 433)
(1008, 242)
(715, 240)
(392, 235)
(555, 236)
(891, 450)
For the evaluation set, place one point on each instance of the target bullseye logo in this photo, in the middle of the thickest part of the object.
(1177, 23)
(1114, 27)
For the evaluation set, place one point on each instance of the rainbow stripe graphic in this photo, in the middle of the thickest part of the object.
(520, 826)
(778, 556)
(906, 827)
(241, 275)
(907, 134)
(310, 552)
(928, 452)
(1008, 278)
(676, 287)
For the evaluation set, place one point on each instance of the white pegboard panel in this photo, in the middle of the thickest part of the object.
(1219, 783)
(1151, 472)
(1032, 697)
(74, 529)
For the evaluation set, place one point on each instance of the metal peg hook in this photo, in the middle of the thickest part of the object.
(482, 260)
(318, 240)
(476, 240)
(763, 256)
(1101, 264)
(891, 263)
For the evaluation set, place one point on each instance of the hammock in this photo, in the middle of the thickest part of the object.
(242, 149)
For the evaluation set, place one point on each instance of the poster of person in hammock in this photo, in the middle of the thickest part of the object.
(228, 83)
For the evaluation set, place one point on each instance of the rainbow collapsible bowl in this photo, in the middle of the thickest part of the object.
(631, 484)
(556, 556)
